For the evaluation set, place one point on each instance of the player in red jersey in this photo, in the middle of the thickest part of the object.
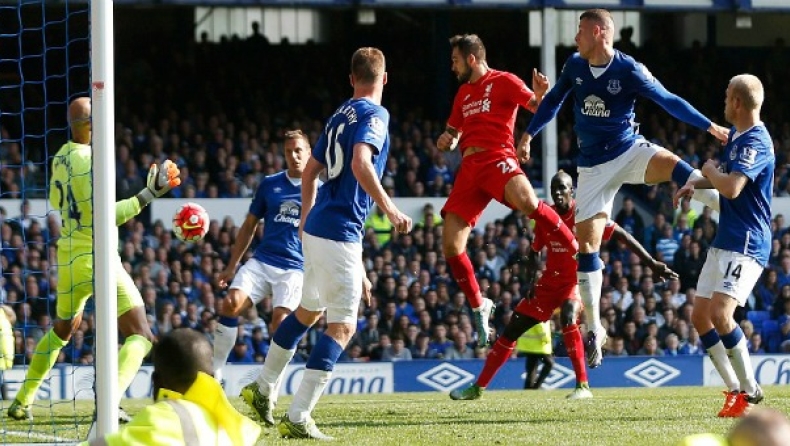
(555, 289)
(481, 125)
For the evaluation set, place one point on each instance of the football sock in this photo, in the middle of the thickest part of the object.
(575, 347)
(290, 332)
(130, 358)
(281, 351)
(708, 197)
(464, 275)
(499, 354)
(547, 216)
(681, 172)
(44, 357)
(273, 370)
(718, 354)
(318, 370)
(224, 338)
(590, 278)
(310, 389)
(735, 342)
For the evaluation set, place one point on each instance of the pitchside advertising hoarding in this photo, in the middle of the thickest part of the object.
(76, 382)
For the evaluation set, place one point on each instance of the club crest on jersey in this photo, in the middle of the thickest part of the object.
(595, 106)
(734, 153)
(289, 213)
(614, 86)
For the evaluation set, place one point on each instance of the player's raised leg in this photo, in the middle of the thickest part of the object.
(455, 235)
(520, 195)
(665, 166)
(499, 354)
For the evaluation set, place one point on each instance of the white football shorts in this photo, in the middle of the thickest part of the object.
(333, 273)
(730, 273)
(258, 280)
(599, 184)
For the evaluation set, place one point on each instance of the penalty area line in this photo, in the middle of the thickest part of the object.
(37, 436)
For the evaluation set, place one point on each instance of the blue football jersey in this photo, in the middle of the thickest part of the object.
(745, 222)
(342, 206)
(278, 202)
(603, 105)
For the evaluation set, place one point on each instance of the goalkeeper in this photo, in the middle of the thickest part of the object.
(71, 193)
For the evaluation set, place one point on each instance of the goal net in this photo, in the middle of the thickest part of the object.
(44, 64)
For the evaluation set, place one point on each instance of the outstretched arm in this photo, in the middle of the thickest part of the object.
(661, 272)
(549, 106)
(243, 240)
(676, 106)
(161, 179)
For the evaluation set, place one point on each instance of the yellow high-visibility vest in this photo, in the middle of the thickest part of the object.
(201, 416)
(381, 225)
(6, 342)
(536, 340)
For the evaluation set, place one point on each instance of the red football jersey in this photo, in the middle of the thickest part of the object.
(485, 111)
(560, 264)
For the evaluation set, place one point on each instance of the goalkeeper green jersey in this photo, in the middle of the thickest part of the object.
(71, 193)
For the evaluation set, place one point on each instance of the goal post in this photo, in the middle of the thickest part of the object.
(105, 231)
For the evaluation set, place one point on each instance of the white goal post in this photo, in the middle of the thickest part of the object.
(105, 232)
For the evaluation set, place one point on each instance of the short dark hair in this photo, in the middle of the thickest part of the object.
(179, 356)
(599, 15)
(469, 44)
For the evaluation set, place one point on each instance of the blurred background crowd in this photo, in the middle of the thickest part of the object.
(220, 109)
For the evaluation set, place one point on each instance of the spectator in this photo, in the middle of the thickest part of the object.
(397, 351)
(460, 348)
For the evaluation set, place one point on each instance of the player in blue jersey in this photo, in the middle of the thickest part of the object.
(275, 268)
(353, 150)
(604, 84)
(742, 245)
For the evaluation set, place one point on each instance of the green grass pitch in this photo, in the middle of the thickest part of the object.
(636, 416)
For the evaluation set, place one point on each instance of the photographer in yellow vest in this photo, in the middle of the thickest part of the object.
(190, 406)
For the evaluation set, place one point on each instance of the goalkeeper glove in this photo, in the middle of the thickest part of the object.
(161, 179)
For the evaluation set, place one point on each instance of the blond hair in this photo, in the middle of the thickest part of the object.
(749, 89)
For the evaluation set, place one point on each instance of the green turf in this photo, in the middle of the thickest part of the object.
(650, 417)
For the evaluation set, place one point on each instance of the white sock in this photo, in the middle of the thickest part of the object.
(718, 354)
(275, 392)
(273, 370)
(708, 197)
(742, 363)
(224, 338)
(590, 284)
(310, 389)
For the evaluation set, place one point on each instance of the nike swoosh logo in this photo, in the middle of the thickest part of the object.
(191, 226)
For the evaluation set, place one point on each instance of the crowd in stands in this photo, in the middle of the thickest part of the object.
(418, 311)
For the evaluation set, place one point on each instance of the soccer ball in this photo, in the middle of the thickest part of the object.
(190, 223)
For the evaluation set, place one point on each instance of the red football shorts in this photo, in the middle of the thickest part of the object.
(548, 297)
(481, 178)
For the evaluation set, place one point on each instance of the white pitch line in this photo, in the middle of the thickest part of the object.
(37, 436)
